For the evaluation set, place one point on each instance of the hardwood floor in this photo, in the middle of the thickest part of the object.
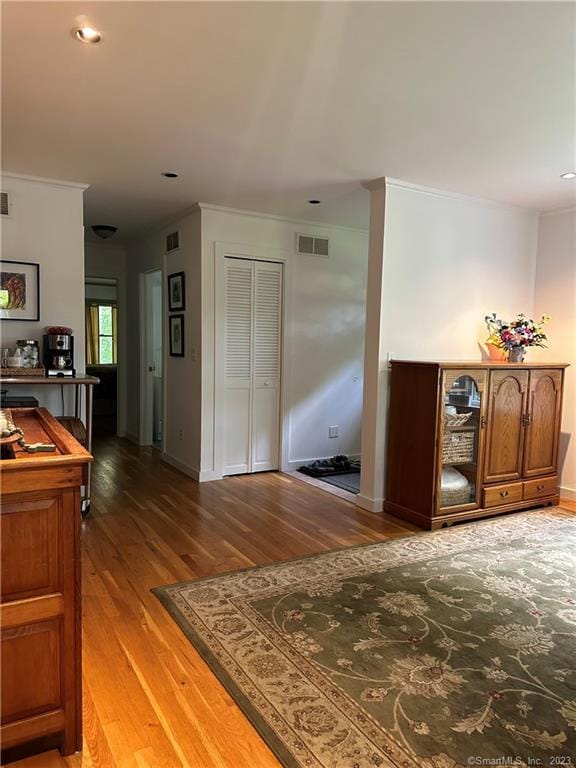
(149, 699)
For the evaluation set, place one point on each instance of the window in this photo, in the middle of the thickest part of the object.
(105, 336)
(101, 333)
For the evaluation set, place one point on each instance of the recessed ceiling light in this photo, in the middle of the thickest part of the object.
(314, 202)
(169, 175)
(569, 175)
(87, 35)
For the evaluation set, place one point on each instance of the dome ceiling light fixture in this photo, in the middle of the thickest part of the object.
(87, 34)
(568, 175)
(104, 231)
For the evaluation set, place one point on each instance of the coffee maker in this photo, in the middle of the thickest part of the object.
(59, 352)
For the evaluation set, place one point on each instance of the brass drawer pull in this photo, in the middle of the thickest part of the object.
(540, 487)
(503, 494)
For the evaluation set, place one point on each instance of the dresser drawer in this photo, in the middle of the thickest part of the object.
(545, 486)
(497, 495)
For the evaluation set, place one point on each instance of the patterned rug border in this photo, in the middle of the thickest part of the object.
(542, 512)
(238, 697)
(247, 708)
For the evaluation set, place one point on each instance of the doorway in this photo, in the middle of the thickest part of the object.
(249, 364)
(151, 384)
(101, 295)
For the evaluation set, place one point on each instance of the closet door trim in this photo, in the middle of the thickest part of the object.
(222, 251)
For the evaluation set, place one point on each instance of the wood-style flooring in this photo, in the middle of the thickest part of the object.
(149, 699)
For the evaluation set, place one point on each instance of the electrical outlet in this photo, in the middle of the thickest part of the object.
(180, 434)
(333, 431)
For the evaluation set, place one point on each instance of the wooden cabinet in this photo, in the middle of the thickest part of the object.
(40, 589)
(467, 440)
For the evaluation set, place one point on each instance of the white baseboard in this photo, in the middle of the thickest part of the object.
(207, 475)
(203, 476)
(371, 505)
(181, 465)
(293, 465)
(567, 493)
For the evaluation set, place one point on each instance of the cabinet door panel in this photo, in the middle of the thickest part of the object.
(31, 669)
(460, 440)
(505, 432)
(542, 432)
(30, 537)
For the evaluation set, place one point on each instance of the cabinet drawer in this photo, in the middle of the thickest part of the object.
(546, 486)
(498, 495)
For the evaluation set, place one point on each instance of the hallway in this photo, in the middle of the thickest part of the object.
(149, 699)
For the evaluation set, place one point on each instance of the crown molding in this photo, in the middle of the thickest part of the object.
(434, 192)
(558, 211)
(278, 217)
(42, 180)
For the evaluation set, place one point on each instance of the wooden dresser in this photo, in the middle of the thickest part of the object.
(467, 440)
(40, 589)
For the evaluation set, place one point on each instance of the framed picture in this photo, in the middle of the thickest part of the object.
(176, 292)
(177, 336)
(19, 290)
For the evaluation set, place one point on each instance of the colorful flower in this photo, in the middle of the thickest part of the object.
(521, 332)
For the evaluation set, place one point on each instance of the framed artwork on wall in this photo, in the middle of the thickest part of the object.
(19, 290)
(176, 335)
(176, 292)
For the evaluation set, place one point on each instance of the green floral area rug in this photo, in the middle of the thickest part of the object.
(439, 650)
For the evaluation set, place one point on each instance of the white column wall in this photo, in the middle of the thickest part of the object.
(448, 260)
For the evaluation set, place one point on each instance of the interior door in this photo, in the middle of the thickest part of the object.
(543, 422)
(151, 404)
(505, 428)
(266, 368)
(252, 329)
(238, 293)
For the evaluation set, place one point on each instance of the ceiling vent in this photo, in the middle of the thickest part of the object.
(172, 241)
(4, 204)
(308, 245)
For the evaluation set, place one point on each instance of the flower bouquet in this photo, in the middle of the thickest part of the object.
(514, 337)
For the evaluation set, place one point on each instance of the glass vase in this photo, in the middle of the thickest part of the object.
(516, 354)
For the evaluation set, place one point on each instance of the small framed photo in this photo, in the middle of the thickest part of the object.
(19, 290)
(176, 335)
(176, 292)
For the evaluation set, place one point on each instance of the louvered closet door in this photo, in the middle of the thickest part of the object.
(253, 292)
(266, 367)
(238, 365)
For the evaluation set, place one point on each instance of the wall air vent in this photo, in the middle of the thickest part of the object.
(172, 241)
(308, 245)
(4, 204)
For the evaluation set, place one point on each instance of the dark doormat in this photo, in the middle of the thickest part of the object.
(348, 482)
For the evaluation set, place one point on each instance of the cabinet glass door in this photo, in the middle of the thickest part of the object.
(460, 444)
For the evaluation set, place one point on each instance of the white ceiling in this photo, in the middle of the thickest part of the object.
(265, 105)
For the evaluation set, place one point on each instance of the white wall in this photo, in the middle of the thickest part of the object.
(108, 260)
(324, 312)
(448, 261)
(555, 294)
(46, 226)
